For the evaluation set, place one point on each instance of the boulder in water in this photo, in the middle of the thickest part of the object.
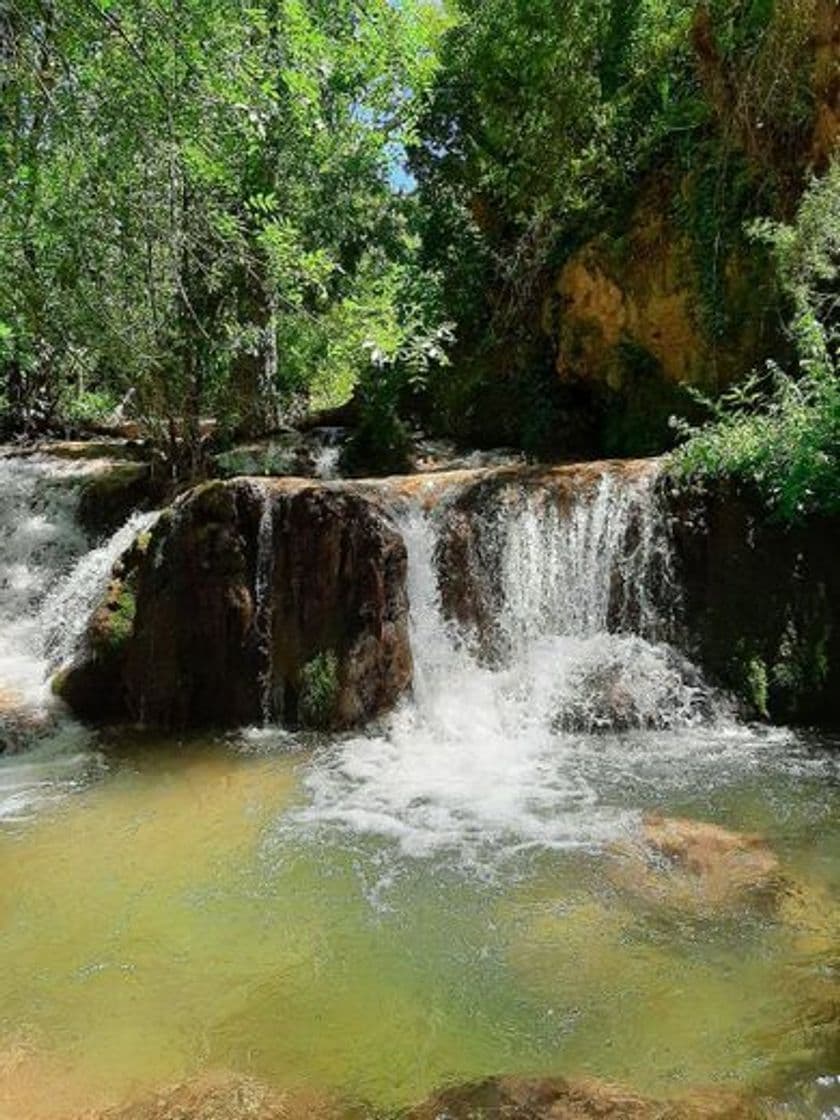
(696, 866)
(626, 684)
(340, 651)
(515, 1098)
(253, 601)
(222, 1096)
(109, 497)
(20, 725)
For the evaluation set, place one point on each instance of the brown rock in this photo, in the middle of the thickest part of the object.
(223, 1097)
(512, 1098)
(826, 81)
(250, 594)
(758, 600)
(20, 725)
(697, 866)
(338, 592)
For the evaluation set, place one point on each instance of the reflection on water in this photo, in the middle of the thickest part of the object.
(181, 915)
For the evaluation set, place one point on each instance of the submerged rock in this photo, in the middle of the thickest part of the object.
(514, 1098)
(696, 866)
(21, 725)
(252, 602)
(223, 1097)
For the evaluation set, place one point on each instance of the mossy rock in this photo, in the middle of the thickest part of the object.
(108, 499)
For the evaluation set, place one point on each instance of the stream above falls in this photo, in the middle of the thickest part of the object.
(475, 885)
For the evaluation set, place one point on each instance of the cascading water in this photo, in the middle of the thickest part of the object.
(523, 750)
(604, 564)
(40, 540)
(49, 582)
(69, 604)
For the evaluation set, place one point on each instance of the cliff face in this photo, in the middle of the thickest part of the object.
(826, 82)
(676, 295)
(760, 603)
(632, 324)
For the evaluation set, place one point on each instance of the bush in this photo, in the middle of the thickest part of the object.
(318, 690)
(781, 431)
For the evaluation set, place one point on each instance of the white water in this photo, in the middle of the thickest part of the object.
(605, 564)
(540, 751)
(326, 452)
(39, 541)
(49, 584)
(68, 606)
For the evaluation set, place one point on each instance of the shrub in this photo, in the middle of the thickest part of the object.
(780, 431)
(318, 690)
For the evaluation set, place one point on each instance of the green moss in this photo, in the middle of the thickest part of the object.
(318, 690)
(749, 676)
(802, 663)
(58, 683)
(122, 617)
(113, 625)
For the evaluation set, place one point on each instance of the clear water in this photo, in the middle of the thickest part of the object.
(444, 898)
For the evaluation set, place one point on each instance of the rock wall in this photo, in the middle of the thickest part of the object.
(251, 601)
(631, 323)
(339, 627)
(672, 293)
(761, 602)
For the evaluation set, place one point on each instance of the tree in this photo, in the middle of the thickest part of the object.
(199, 186)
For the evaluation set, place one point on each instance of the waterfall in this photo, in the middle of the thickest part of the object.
(519, 752)
(326, 451)
(49, 583)
(68, 606)
(604, 564)
(40, 540)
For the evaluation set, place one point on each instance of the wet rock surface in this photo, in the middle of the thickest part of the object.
(109, 498)
(513, 1098)
(759, 601)
(252, 601)
(339, 642)
(20, 725)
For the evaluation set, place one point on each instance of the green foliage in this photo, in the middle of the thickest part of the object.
(781, 431)
(547, 121)
(197, 201)
(203, 215)
(318, 690)
(749, 675)
(86, 407)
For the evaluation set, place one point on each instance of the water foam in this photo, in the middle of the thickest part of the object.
(497, 756)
